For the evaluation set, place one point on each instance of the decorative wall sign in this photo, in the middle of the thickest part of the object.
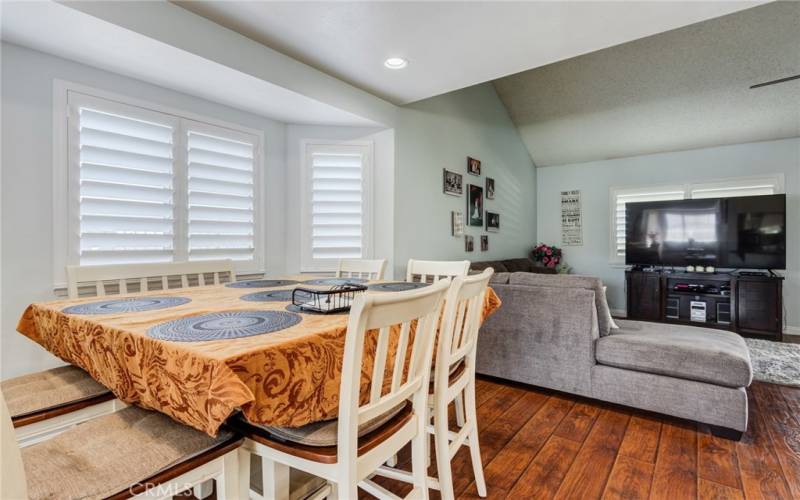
(453, 183)
(457, 223)
(474, 205)
(469, 243)
(489, 188)
(571, 218)
(473, 166)
(484, 243)
(492, 222)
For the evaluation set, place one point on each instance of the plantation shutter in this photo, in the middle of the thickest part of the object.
(337, 211)
(622, 198)
(221, 188)
(741, 187)
(126, 203)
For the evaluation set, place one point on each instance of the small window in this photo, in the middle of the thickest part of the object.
(336, 215)
(151, 186)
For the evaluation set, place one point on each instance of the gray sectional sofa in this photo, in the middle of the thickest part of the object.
(556, 331)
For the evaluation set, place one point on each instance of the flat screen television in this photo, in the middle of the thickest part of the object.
(747, 232)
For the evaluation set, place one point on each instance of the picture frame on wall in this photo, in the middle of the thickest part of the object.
(469, 243)
(473, 166)
(489, 188)
(492, 222)
(474, 205)
(457, 223)
(452, 183)
(484, 243)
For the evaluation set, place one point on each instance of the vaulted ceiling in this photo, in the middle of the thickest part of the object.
(683, 89)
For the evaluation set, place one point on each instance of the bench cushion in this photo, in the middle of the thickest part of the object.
(50, 388)
(686, 352)
(108, 454)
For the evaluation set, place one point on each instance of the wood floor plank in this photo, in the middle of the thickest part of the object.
(781, 423)
(578, 422)
(629, 478)
(641, 439)
(709, 490)
(587, 476)
(502, 472)
(761, 473)
(675, 475)
(716, 459)
(545, 473)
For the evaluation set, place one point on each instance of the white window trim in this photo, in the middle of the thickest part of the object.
(307, 264)
(62, 227)
(616, 261)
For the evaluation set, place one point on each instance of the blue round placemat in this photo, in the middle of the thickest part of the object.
(297, 309)
(127, 305)
(260, 283)
(223, 325)
(396, 286)
(273, 296)
(335, 281)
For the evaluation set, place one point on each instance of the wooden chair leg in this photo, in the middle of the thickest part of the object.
(474, 446)
(228, 481)
(419, 469)
(244, 473)
(275, 479)
(442, 441)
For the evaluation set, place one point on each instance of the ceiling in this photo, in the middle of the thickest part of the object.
(449, 45)
(684, 89)
(227, 77)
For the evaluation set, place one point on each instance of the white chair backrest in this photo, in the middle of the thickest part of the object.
(458, 335)
(121, 275)
(391, 315)
(12, 471)
(361, 268)
(437, 269)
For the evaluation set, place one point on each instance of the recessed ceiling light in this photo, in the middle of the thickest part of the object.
(395, 63)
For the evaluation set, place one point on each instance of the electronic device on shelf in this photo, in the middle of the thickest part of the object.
(753, 273)
(697, 311)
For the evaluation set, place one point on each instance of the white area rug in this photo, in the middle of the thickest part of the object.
(775, 362)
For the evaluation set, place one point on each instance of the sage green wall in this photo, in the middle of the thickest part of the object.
(441, 132)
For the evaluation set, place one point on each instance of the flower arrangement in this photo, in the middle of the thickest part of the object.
(549, 256)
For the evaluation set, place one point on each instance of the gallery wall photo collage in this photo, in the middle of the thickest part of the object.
(477, 214)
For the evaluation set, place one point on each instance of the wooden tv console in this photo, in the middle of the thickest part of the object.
(747, 305)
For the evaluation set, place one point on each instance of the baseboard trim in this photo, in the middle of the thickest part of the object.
(619, 313)
(792, 330)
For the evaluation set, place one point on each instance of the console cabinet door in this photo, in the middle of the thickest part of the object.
(757, 304)
(644, 296)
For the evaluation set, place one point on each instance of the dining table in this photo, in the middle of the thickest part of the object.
(202, 353)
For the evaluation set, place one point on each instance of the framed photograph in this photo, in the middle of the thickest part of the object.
(469, 243)
(473, 166)
(489, 188)
(457, 223)
(484, 243)
(492, 222)
(453, 183)
(474, 205)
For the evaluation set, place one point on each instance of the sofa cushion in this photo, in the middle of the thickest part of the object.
(500, 278)
(571, 281)
(686, 352)
(497, 265)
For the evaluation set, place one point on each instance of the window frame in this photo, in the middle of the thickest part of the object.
(618, 261)
(65, 198)
(307, 263)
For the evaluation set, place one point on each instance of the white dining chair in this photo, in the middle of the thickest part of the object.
(347, 451)
(454, 377)
(133, 453)
(435, 269)
(371, 269)
(161, 275)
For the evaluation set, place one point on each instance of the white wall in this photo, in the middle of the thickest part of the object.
(27, 181)
(382, 185)
(594, 179)
(441, 132)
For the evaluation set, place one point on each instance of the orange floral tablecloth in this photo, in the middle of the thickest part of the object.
(285, 378)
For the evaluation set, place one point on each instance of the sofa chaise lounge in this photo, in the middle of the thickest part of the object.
(556, 331)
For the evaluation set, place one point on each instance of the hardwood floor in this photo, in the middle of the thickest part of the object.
(541, 444)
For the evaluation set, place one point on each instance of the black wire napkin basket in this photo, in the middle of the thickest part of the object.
(336, 299)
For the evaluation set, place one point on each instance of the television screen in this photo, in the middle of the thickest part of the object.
(740, 232)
